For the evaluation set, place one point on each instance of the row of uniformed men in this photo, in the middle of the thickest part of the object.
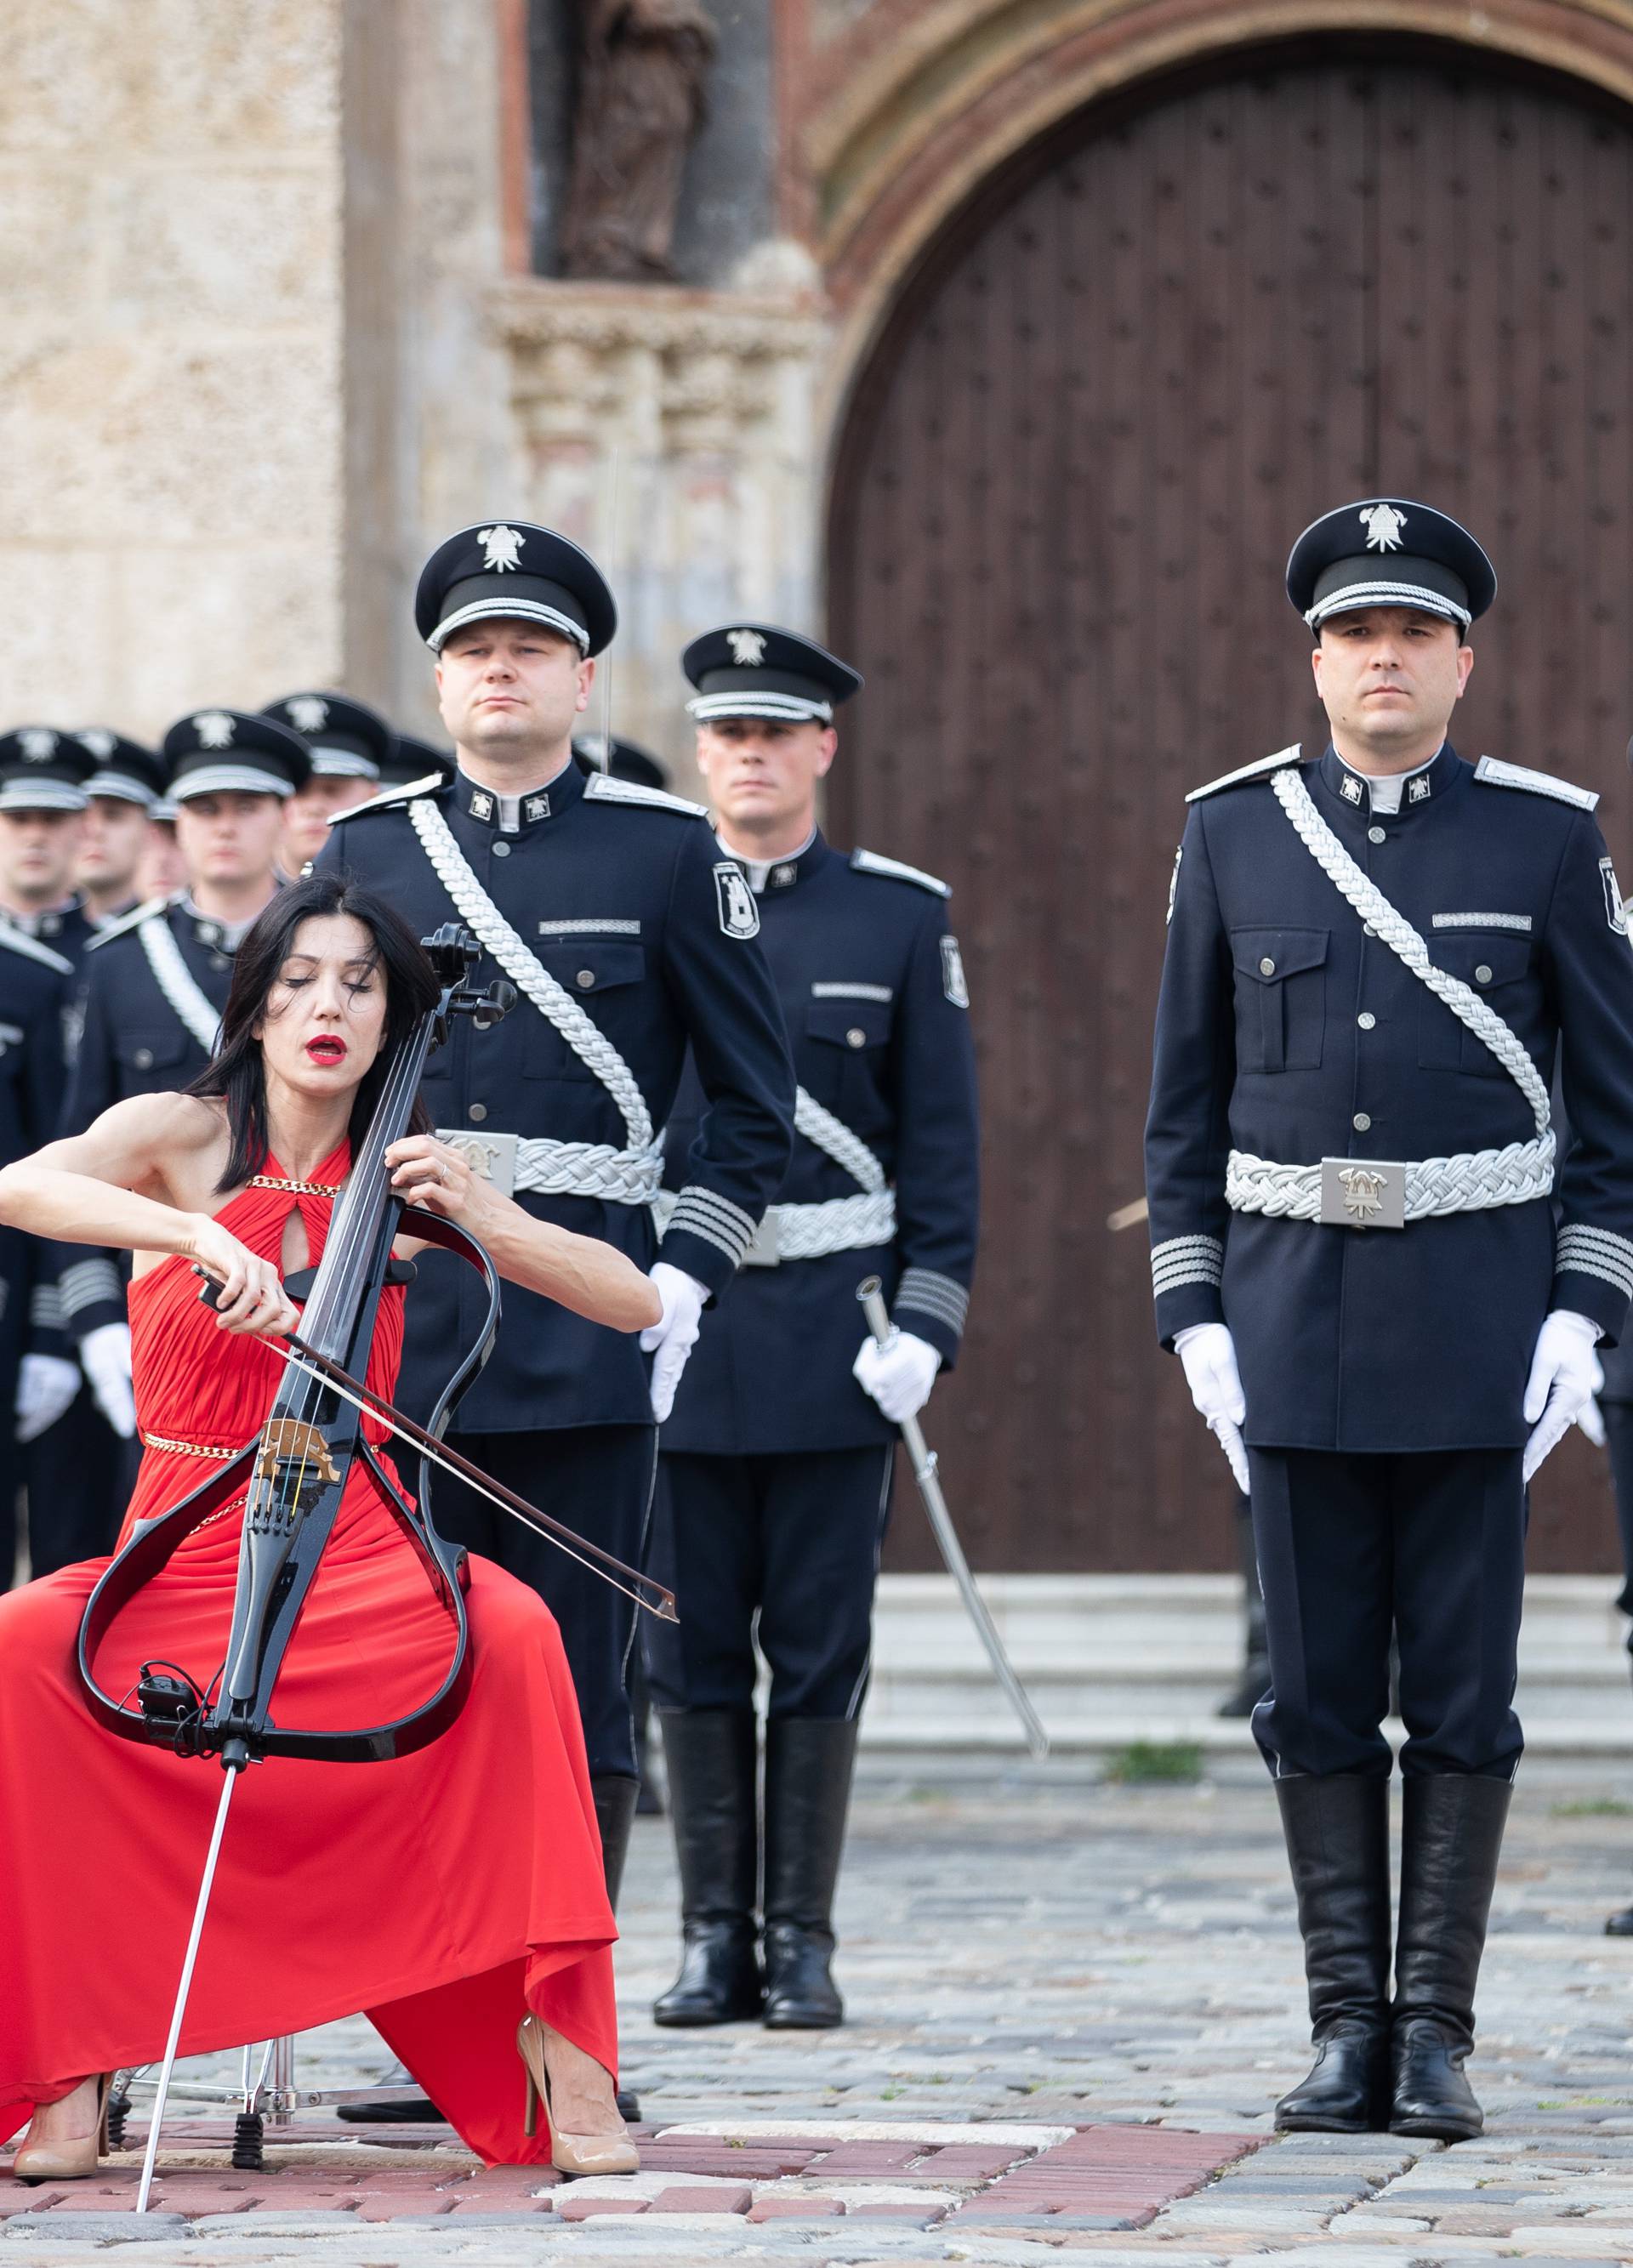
(743, 1056)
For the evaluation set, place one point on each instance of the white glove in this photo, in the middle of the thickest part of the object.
(1206, 1352)
(1565, 1375)
(45, 1387)
(898, 1374)
(675, 1334)
(1590, 1419)
(105, 1358)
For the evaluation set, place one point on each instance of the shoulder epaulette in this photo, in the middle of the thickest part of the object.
(30, 949)
(870, 862)
(406, 793)
(1261, 769)
(1496, 773)
(136, 916)
(605, 788)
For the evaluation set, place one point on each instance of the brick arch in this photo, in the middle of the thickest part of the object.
(916, 110)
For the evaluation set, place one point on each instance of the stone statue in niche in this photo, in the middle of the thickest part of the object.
(642, 68)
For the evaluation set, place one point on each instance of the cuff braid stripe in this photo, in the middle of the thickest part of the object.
(734, 1253)
(88, 1283)
(935, 1310)
(1592, 1268)
(1602, 1240)
(1590, 1254)
(45, 1309)
(927, 1288)
(1189, 1275)
(730, 1216)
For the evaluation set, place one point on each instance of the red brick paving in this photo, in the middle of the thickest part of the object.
(1125, 2173)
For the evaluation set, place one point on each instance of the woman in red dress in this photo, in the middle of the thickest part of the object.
(449, 1894)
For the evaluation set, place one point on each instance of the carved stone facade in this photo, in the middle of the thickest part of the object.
(674, 432)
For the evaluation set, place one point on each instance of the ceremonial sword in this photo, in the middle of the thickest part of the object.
(924, 1460)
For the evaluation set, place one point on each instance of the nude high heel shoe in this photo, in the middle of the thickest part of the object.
(569, 2154)
(66, 2161)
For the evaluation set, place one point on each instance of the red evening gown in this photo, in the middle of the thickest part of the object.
(442, 1893)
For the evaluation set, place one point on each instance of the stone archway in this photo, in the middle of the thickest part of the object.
(1124, 376)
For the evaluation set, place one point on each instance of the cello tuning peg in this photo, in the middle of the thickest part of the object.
(490, 1006)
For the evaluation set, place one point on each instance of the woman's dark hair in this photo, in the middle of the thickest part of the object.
(236, 1073)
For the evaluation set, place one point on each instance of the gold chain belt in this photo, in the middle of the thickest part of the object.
(297, 1188)
(187, 1449)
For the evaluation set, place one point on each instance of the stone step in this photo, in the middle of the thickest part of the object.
(1112, 1659)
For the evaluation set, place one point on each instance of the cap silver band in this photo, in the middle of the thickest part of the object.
(40, 795)
(782, 708)
(121, 788)
(228, 779)
(343, 764)
(533, 610)
(1355, 595)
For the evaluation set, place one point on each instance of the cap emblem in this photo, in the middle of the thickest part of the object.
(97, 742)
(501, 548)
(307, 713)
(748, 648)
(214, 728)
(1383, 525)
(38, 744)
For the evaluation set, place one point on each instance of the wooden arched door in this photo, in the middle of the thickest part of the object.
(1120, 385)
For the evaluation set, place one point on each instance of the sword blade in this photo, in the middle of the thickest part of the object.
(923, 1461)
(229, 1782)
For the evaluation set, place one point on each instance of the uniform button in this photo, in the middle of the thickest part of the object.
(501, 850)
(1366, 1019)
(856, 1037)
(1267, 967)
(1374, 834)
(1367, 930)
(143, 1059)
(478, 1111)
(1360, 1121)
(1483, 974)
(587, 978)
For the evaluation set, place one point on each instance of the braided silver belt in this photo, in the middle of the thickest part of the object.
(1383, 1193)
(809, 1232)
(560, 1169)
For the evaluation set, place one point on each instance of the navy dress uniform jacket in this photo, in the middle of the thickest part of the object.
(129, 1040)
(873, 994)
(35, 990)
(613, 888)
(1285, 1031)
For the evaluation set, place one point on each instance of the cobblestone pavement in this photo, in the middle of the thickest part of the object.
(1072, 2008)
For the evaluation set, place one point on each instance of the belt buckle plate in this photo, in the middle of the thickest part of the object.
(492, 1157)
(1362, 1193)
(762, 1251)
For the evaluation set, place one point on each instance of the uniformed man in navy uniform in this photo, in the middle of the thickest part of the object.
(79, 1468)
(35, 988)
(627, 935)
(121, 795)
(154, 985)
(350, 744)
(1375, 955)
(779, 1456)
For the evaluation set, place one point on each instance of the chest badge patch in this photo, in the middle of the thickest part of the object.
(1615, 912)
(952, 974)
(739, 916)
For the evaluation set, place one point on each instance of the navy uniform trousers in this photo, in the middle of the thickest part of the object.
(783, 1550)
(1384, 1370)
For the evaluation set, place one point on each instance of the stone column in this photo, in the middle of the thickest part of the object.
(672, 432)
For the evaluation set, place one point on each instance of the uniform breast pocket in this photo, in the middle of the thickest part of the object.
(848, 1056)
(150, 1060)
(1281, 998)
(590, 971)
(1491, 966)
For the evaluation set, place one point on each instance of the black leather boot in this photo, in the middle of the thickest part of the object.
(712, 1755)
(1337, 1830)
(809, 1762)
(1450, 1840)
(614, 1798)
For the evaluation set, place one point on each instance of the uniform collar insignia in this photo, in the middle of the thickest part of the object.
(1419, 789)
(535, 806)
(480, 804)
(1349, 788)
